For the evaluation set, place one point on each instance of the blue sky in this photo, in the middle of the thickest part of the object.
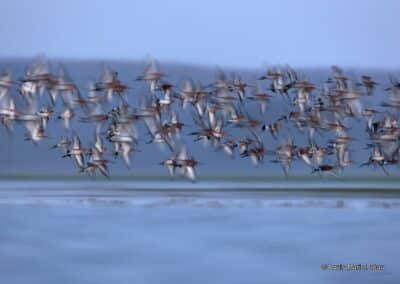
(227, 33)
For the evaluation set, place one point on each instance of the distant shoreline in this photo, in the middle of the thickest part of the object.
(222, 177)
(292, 186)
(186, 64)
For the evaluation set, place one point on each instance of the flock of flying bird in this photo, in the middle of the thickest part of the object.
(220, 117)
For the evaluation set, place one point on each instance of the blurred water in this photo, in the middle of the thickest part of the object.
(72, 235)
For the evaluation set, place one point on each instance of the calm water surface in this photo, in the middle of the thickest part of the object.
(61, 235)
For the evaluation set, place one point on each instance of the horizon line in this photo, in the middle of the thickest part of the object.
(262, 66)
